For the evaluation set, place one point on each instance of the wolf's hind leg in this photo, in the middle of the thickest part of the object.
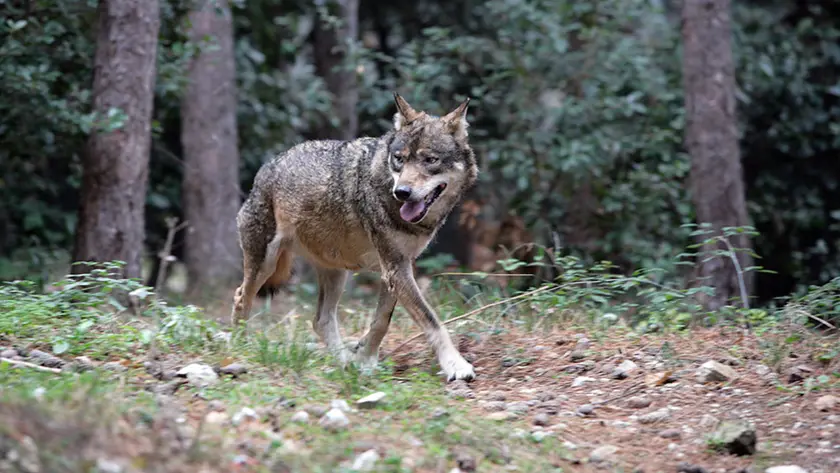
(265, 254)
(330, 286)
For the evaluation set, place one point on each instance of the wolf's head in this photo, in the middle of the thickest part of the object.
(430, 160)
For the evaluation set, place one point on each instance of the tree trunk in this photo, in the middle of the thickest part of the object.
(716, 180)
(116, 162)
(331, 48)
(211, 156)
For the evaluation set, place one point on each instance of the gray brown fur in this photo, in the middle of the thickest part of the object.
(334, 203)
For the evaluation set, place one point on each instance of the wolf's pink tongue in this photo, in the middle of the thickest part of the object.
(411, 210)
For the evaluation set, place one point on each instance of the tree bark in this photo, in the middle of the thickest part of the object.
(211, 156)
(716, 179)
(331, 53)
(116, 162)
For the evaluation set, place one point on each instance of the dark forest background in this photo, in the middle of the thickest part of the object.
(578, 117)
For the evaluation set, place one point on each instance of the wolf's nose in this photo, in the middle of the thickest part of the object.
(402, 193)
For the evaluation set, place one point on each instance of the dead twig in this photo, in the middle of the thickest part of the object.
(30, 365)
(477, 311)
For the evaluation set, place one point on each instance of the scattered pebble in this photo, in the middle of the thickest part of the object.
(439, 413)
(737, 438)
(624, 369)
(655, 416)
(300, 417)
(708, 421)
(603, 454)
(370, 401)
(244, 414)
(517, 407)
(340, 404)
(499, 416)
(713, 371)
(827, 402)
(638, 402)
(685, 467)
(9, 353)
(334, 420)
(495, 406)
(586, 409)
(199, 374)
(116, 367)
(366, 461)
(786, 469)
(497, 396)
(541, 419)
(46, 359)
(216, 418)
(670, 434)
(581, 380)
(315, 410)
(234, 369)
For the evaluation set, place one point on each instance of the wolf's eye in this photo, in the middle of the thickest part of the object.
(431, 159)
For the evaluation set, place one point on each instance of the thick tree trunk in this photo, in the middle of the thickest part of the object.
(330, 43)
(716, 180)
(211, 156)
(113, 194)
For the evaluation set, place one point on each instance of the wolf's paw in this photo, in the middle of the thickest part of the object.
(456, 367)
(367, 363)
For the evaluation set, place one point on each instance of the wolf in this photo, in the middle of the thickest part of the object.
(372, 203)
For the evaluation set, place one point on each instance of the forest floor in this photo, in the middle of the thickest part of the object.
(570, 397)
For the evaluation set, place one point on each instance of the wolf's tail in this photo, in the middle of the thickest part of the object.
(281, 276)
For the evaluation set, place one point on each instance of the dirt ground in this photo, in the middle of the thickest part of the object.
(539, 370)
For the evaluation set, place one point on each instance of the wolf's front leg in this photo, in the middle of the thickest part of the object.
(401, 279)
(367, 351)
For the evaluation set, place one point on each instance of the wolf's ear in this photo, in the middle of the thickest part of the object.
(405, 113)
(456, 120)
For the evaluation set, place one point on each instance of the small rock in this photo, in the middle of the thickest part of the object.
(577, 355)
(826, 403)
(540, 435)
(199, 374)
(439, 413)
(737, 438)
(713, 371)
(517, 407)
(370, 401)
(603, 454)
(685, 467)
(655, 416)
(461, 393)
(708, 421)
(315, 410)
(541, 419)
(114, 366)
(799, 373)
(545, 397)
(670, 434)
(624, 369)
(46, 359)
(500, 416)
(495, 406)
(216, 418)
(216, 405)
(334, 420)
(169, 388)
(340, 404)
(465, 462)
(104, 465)
(586, 409)
(366, 461)
(583, 343)
(497, 396)
(786, 469)
(638, 402)
(9, 353)
(234, 369)
(81, 364)
(581, 380)
(244, 414)
(300, 417)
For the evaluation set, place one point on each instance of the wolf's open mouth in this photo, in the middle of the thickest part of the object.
(414, 212)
